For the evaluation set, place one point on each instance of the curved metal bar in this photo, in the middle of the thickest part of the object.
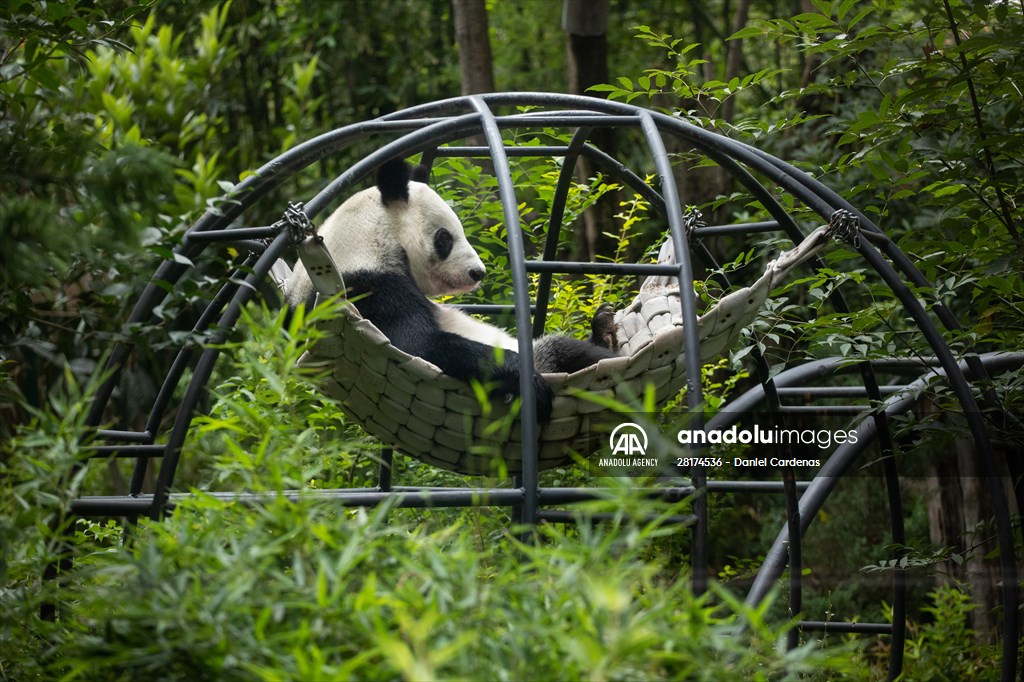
(176, 371)
(204, 368)
(691, 341)
(677, 231)
(429, 125)
(790, 494)
(427, 136)
(885, 439)
(811, 193)
(844, 456)
(794, 546)
(520, 294)
(899, 541)
(901, 261)
(955, 376)
(784, 221)
(240, 197)
(558, 201)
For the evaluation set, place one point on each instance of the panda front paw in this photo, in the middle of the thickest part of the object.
(508, 389)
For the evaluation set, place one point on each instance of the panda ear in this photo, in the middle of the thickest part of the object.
(393, 181)
(420, 174)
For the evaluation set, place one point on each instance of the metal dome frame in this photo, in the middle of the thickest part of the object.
(425, 130)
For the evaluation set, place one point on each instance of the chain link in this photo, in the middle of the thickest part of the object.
(297, 223)
(691, 221)
(844, 226)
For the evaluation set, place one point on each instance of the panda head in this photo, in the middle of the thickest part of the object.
(418, 229)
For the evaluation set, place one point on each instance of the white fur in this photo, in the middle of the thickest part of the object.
(363, 234)
(455, 321)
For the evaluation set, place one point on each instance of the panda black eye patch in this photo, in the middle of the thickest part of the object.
(443, 242)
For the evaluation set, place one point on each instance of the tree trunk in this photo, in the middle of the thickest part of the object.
(473, 39)
(585, 23)
(734, 57)
(697, 186)
(958, 506)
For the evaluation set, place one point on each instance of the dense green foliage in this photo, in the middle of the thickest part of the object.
(304, 590)
(923, 135)
(120, 124)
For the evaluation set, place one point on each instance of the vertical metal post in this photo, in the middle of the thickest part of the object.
(691, 341)
(795, 547)
(520, 292)
(385, 469)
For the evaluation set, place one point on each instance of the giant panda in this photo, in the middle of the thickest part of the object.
(397, 244)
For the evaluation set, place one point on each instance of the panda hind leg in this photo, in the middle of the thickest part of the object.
(565, 354)
(557, 353)
(470, 360)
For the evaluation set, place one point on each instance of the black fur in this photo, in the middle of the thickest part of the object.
(393, 181)
(391, 301)
(565, 354)
(443, 242)
(420, 174)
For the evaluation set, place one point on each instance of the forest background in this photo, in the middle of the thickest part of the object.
(121, 122)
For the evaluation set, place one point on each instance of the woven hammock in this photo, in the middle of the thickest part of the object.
(409, 403)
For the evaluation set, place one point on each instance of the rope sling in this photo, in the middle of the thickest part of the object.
(409, 403)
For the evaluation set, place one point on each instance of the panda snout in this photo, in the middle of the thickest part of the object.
(476, 274)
